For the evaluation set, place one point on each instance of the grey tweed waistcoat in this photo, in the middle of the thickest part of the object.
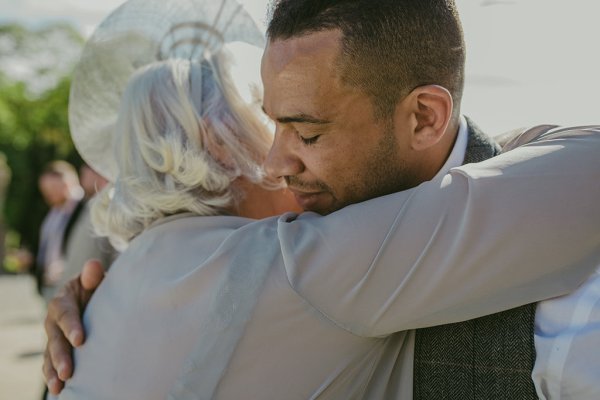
(488, 358)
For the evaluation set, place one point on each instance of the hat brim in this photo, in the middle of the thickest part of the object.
(136, 34)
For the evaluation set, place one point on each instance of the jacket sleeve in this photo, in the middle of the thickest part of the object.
(515, 229)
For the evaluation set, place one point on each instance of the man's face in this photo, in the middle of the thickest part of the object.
(328, 145)
(53, 189)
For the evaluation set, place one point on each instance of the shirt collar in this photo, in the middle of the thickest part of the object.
(457, 155)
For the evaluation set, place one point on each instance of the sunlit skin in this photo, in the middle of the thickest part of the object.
(91, 181)
(258, 202)
(328, 145)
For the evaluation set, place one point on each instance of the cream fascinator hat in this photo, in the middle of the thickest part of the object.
(141, 32)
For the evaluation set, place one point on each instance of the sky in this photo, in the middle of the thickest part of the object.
(85, 14)
(528, 61)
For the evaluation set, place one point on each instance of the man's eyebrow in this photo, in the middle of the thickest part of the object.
(301, 119)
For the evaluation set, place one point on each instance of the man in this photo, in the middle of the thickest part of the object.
(366, 82)
(358, 116)
(356, 127)
(60, 188)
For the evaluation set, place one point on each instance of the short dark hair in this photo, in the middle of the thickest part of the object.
(60, 168)
(389, 47)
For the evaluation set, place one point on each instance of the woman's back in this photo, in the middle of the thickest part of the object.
(183, 282)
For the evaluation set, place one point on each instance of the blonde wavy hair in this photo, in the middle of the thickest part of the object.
(184, 133)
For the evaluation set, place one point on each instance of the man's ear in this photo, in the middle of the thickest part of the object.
(429, 110)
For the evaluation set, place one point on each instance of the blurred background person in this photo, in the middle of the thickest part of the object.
(59, 185)
(81, 244)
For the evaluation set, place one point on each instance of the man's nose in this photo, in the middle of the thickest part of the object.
(282, 160)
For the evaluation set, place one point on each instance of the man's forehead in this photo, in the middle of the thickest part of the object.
(302, 79)
(323, 45)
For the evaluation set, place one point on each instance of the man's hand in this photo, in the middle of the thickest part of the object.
(63, 324)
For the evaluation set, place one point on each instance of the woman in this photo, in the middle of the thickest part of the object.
(206, 302)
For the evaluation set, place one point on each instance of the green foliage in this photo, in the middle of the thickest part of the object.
(33, 132)
(18, 32)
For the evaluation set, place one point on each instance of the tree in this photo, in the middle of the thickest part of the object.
(34, 127)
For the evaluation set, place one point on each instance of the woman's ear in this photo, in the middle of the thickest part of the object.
(429, 110)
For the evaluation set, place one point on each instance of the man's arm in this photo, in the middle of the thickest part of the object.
(63, 324)
(512, 230)
(489, 237)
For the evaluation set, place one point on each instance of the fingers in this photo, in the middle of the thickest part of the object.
(62, 321)
(92, 274)
(64, 327)
(64, 314)
(53, 382)
(58, 365)
(59, 350)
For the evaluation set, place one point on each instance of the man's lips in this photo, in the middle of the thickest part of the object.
(307, 200)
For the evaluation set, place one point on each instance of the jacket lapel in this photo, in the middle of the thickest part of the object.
(480, 147)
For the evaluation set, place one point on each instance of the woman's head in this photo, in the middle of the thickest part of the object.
(184, 134)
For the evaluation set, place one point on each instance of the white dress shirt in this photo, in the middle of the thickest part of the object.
(567, 342)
